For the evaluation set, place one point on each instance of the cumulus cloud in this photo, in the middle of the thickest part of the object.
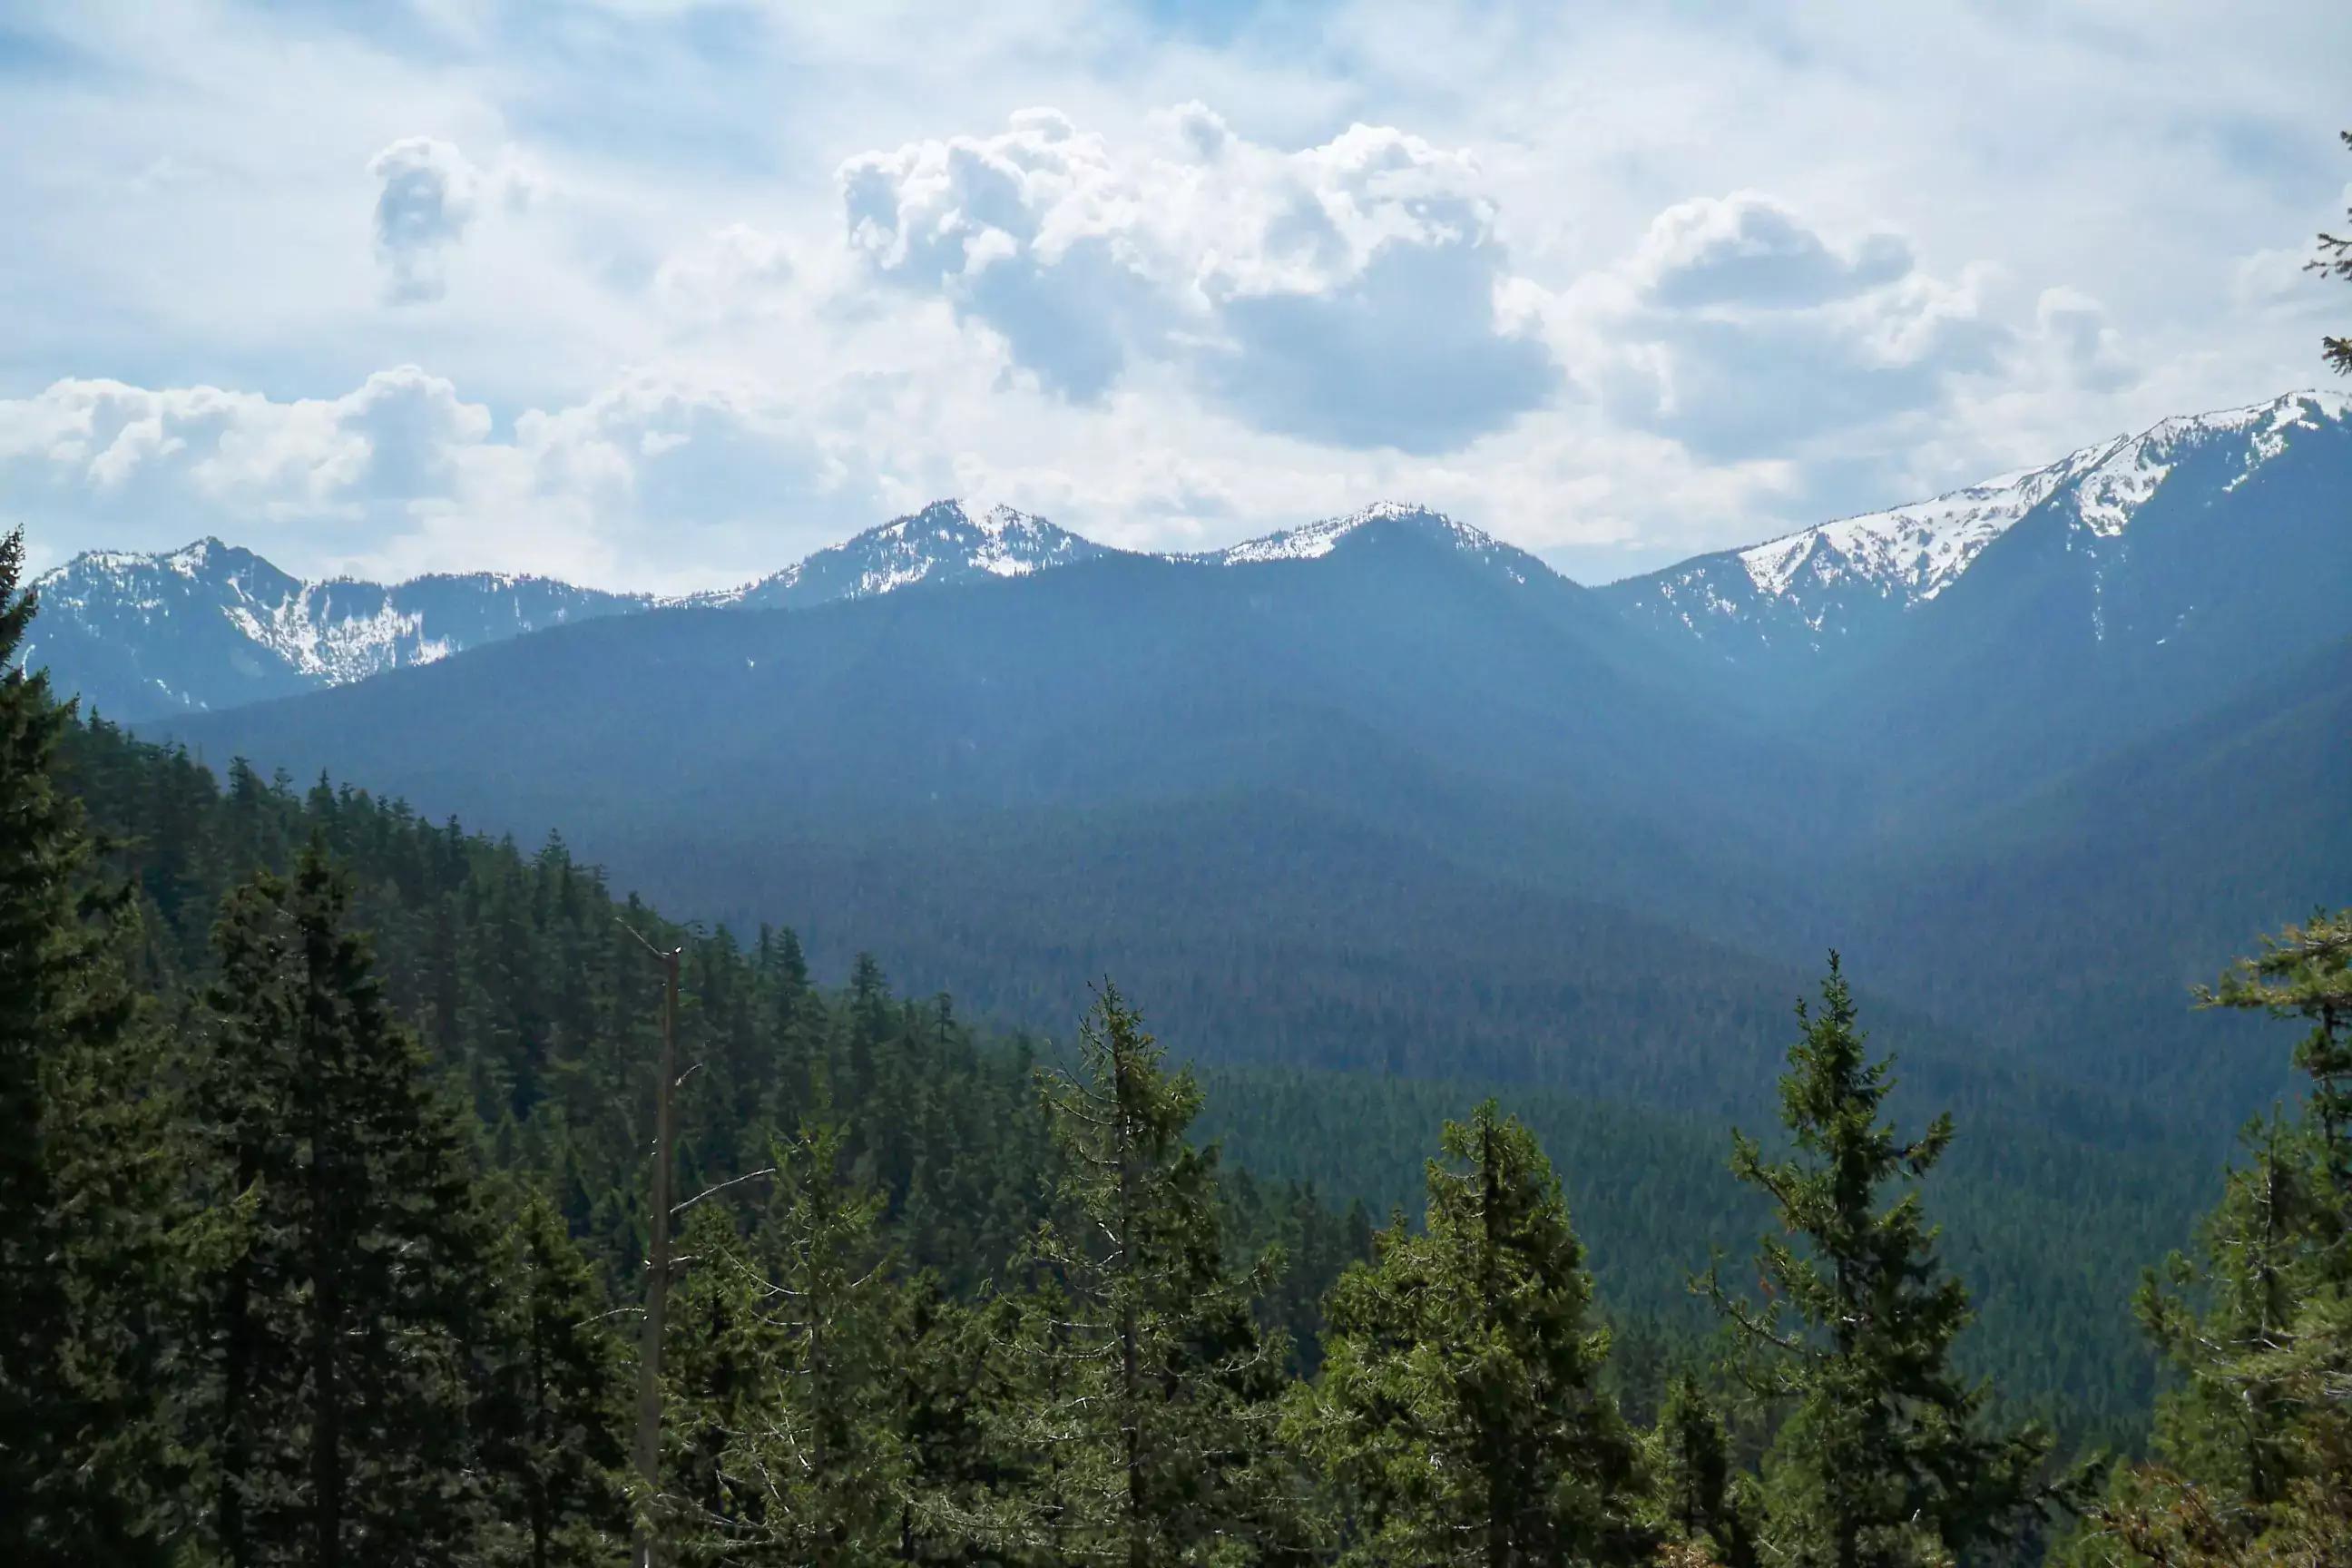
(402, 473)
(430, 193)
(1741, 331)
(1747, 249)
(731, 274)
(128, 449)
(1345, 294)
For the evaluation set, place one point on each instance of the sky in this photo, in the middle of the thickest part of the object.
(664, 295)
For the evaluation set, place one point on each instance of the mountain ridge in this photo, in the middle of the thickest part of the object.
(1843, 587)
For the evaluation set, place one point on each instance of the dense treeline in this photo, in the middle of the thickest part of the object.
(322, 1217)
(2057, 1335)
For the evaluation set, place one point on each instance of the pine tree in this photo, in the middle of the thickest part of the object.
(1461, 1416)
(716, 1363)
(88, 1252)
(1704, 1501)
(2334, 260)
(1154, 1394)
(804, 1435)
(1886, 1456)
(2255, 1442)
(552, 1397)
(947, 1373)
(336, 1330)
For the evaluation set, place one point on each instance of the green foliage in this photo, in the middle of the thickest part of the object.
(336, 1333)
(1461, 1415)
(1701, 1498)
(799, 1407)
(1150, 1383)
(1885, 1457)
(89, 1254)
(2334, 260)
(2255, 1440)
(549, 1390)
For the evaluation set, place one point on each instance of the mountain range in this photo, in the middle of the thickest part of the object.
(210, 626)
(1384, 793)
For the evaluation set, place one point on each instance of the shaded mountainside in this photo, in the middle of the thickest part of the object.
(1383, 793)
(1386, 806)
(210, 626)
(539, 1008)
(1837, 596)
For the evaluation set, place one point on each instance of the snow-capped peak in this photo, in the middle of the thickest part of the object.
(210, 624)
(2127, 475)
(943, 542)
(1309, 541)
(1919, 549)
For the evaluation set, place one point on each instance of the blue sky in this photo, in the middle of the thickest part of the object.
(667, 295)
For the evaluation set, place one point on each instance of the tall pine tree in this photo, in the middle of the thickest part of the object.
(1886, 1459)
(2254, 1442)
(552, 1397)
(338, 1330)
(1461, 1418)
(1154, 1393)
(87, 1256)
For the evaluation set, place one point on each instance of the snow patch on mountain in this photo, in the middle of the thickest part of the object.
(2121, 483)
(1311, 541)
(1919, 549)
(210, 624)
(945, 542)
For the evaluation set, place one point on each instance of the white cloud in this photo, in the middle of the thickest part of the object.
(1387, 249)
(1742, 332)
(430, 195)
(730, 274)
(1345, 294)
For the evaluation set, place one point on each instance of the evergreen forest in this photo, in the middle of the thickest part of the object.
(327, 1235)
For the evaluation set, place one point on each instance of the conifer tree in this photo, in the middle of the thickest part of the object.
(1704, 1501)
(88, 1252)
(947, 1373)
(1462, 1417)
(2334, 260)
(715, 1363)
(552, 1397)
(1886, 1456)
(2255, 1442)
(1154, 1394)
(800, 1423)
(336, 1330)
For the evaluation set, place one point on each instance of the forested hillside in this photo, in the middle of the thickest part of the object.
(326, 1219)
(1399, 800)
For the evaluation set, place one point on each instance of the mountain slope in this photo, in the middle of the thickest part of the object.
(210, 626)
(2186, 568)
(992, 759)
(942, 544)
(1843, 591)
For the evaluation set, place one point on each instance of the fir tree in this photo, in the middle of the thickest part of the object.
(552, 1397)
(88, 1256)
(337, 1329)
(1886, 1456)
(2255, 1442)
(1704, 1501)
(800, 1428)
(2334, 260)
(1154, 1392)
(1461, 1416)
